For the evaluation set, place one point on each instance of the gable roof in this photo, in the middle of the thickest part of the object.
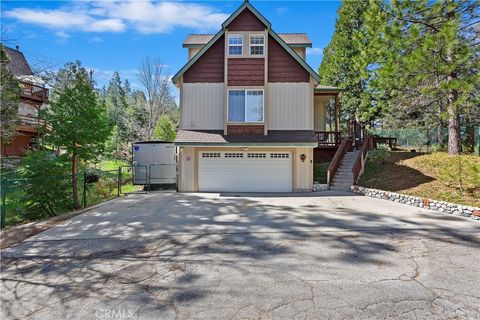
(246, 5)
(17, 63)
(292, 39)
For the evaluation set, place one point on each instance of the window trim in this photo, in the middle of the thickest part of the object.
(245, 106)
(256, 45)
(235, 45)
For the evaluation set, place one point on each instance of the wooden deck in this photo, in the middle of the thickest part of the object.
(328, 139)
(33, 92)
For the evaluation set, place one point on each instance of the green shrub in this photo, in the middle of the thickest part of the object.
(320, 172)
(379, 154)
(46, 183)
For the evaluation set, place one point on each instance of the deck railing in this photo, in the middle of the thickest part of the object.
(328, 138)
(30, 120)
(391, 142)
(369, 143)
(33, 91)
(345, 146)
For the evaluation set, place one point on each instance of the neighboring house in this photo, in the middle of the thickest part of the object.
(252, 114)
(33, 95)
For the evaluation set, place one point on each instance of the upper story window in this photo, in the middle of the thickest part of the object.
(235, 45)
(245, 105)
(257, 44)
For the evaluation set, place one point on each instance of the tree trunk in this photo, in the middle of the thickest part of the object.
(452, 108)
(453, 132)
(76, 204)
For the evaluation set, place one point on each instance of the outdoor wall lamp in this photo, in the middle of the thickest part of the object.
(303, 156)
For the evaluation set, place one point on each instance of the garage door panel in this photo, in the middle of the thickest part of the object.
(259, 173)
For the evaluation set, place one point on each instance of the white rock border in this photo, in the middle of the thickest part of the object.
(440, 206)
(320, 187)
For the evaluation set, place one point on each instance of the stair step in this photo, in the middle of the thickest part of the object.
(341, 184)
(342, 181)
(343, 176)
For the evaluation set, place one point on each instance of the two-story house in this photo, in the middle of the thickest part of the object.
(251, 109)
(32, 96)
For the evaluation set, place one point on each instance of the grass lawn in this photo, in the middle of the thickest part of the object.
(436, 176)
(110, 164)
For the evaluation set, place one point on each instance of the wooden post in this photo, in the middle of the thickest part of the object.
(337, 114)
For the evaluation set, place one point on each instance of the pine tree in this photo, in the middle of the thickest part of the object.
(117, 111)
(422, 61)
(165, 129)
(337, 67)
(78, 119)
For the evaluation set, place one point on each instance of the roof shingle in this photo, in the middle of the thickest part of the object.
(17, 65)
(217, 137)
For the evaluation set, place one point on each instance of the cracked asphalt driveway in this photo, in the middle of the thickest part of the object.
(209, 256)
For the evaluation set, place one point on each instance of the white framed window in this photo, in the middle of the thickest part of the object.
(233, 155)
(279, 155)
(257, 44)
(256, 155)
(235, 44)
(245, 105)
(211, 155)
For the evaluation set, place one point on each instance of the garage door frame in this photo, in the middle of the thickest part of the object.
(291, 151)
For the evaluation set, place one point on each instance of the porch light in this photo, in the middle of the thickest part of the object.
(303, 156)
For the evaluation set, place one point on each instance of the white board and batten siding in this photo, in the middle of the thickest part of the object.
(202, 106)
(245, 171)
(290, 106)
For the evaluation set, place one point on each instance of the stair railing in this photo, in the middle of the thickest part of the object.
(369, 143)
(345, 146)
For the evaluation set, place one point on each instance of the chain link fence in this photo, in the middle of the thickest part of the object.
(34, 198)
(423, 139)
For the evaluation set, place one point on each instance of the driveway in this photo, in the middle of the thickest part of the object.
(209, 256)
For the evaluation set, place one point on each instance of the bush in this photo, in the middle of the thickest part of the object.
(380, 154)
(320, 172)
(46, 183)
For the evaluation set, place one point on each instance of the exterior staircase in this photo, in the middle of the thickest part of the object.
(343, 178)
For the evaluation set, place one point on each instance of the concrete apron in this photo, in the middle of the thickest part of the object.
(131, 222)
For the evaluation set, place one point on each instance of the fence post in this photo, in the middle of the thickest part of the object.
(4, 202)
(148, 178)
(119, 181)
(84, 189)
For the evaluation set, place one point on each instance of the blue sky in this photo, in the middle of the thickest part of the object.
(112, 36)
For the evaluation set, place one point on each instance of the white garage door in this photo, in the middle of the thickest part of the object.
(245, 171)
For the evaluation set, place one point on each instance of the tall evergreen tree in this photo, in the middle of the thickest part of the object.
(421, 59)
(78, 119)
(117, 111)
(337, 68)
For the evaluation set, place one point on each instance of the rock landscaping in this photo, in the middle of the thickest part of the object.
(440, 206)
(320, 187)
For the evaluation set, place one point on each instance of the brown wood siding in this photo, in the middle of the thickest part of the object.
(209, 68)
(246, 21)
(246, 72)
(282, 67)
(241, 129)
(19, 145)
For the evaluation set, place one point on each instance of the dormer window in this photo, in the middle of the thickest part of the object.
(257, 44)
(235, 45)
